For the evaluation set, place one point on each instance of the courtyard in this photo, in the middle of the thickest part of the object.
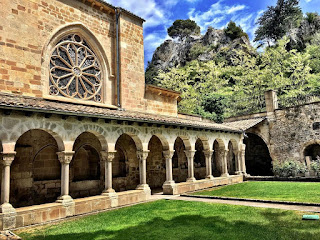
(173, 219)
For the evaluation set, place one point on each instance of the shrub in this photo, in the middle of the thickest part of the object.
(288, 168)
(315, 166)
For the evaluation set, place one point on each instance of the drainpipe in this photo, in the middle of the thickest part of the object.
(118, 12)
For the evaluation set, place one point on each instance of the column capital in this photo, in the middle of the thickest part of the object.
(108, 156)
(208, 153)
(142, 155)
(65, 157)
(168, 154)
(190, 153)
(7, 158)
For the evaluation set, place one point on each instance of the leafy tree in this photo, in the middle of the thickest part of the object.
(183, 28)
(233, 31)
(277, 21)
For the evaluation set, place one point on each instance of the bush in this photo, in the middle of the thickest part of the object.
(288, 168)
(233, 31)
(315, 166)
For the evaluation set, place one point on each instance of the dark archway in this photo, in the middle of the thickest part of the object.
(156, 164)
(35, 171)
(216, 164)
(199, 161)
(231, 159)
(125, 166)
(85, 168)
(313, 151)
(258, 159)
(179, 162)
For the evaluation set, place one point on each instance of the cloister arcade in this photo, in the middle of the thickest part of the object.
(46, 163)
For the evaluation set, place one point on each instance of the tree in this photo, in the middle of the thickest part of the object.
(277, 21)
(183, 28)
(233, 31)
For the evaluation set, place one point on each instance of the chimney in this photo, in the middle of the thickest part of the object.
(271, 100)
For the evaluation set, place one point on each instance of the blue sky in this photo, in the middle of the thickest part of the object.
(160, 14)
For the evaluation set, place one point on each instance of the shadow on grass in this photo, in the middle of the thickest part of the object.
(272, 225)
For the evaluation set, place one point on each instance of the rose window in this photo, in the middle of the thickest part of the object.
(75, 70)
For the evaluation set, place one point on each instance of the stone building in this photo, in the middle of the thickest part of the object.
(80, 131)
(291, 133)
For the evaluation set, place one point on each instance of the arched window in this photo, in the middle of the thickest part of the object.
(75, 70)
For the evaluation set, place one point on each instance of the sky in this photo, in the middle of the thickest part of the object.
(160, 14)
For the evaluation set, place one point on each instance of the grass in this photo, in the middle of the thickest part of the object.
(280, 191)
(182, 220)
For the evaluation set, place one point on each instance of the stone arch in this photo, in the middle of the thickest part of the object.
(80, 29)
(156, 163)
(218, 148)
(305, 146)
(85, 168)
(35, 171)
(134, 134)
(200, 159)
(257, 156)
(179, 159)
(205, 142)
(98, 132)
(126, 162)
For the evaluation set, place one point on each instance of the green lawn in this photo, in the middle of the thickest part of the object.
(166, 220)
(280, 191)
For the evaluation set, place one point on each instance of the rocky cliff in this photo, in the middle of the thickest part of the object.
(175, 53)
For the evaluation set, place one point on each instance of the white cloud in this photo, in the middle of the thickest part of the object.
(308, 1)
(215, 16)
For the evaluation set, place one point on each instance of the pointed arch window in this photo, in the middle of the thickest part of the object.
(75, 70)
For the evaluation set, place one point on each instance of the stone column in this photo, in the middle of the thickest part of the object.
(208, 156)
(169, 187)
(243, 161)
(238, 162)
(190, 155)
(65, 159)
(107, 158)
(223, 159)
(142, 158)
(9, 213)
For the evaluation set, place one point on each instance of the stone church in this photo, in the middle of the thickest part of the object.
(80, 130)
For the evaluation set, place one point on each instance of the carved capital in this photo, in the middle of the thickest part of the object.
(168, 154)
(65, 157)
(7, 158)
(190, 153)
(142, 155)
(107, 156)
(208, 153)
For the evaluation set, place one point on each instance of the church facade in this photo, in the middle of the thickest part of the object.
(80, 130)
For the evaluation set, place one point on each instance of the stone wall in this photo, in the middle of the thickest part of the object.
(292, 131)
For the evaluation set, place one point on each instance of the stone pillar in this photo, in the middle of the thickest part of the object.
(169, 187)
(243, 162)
(107, 158)
(142, 158)
(66, 200)
(223, 158)
(9, 213)
(208, 156)
(190, 155)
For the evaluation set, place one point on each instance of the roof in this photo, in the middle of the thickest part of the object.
(23, 103)
(245, 124)
(114, 8)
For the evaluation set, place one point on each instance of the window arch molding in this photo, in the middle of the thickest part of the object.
(107, 78)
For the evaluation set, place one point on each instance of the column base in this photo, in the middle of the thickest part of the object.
(239, 173)
(68, 203)
(225, 175)
(8, 216)
(113, 196)
(209, 177)
(169, 188)
(191, 179)
(146, 189)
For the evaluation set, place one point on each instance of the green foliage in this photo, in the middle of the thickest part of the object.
(151, 74)
(196, 50)
(277, 20)
(212, 107)
(315, 166)
(183, 28)
(233, 31)
(288, 168)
